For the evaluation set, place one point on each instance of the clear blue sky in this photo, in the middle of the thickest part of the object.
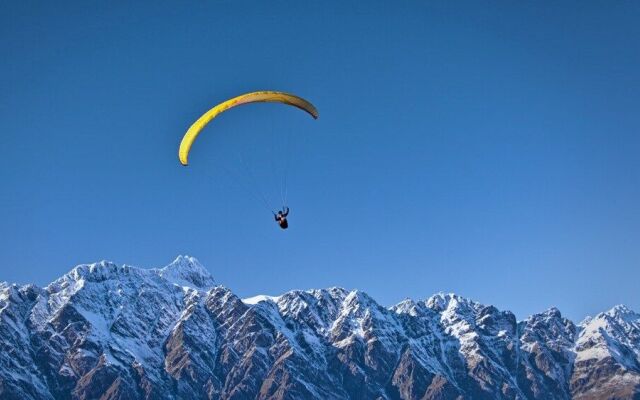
(491, 149)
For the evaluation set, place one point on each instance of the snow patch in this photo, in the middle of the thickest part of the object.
(259, 298)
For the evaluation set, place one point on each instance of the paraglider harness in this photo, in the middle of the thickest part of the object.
(281, 217)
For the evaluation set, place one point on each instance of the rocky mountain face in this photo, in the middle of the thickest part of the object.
(104, 331)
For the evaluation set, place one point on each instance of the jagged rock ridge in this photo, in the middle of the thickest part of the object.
(104, 331)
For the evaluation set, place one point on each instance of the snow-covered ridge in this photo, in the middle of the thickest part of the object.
(170, 332)
(261, 297)
(187, 271)
(183, 271)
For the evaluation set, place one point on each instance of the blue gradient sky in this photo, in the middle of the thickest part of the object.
(485, 148)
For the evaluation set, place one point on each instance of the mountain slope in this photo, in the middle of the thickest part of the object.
(104, 331)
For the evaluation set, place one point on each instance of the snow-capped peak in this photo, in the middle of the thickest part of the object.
(259, 298)
(94, 272)
(405, 306)
(441, 302)
(553, 312)
(614, 334)
(187, 271)
(623, 312)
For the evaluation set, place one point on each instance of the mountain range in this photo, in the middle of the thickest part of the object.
(104, 331)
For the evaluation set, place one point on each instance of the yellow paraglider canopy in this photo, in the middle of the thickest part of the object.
(254, 97)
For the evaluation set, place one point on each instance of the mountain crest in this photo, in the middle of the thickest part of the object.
(92, 272)
(168, 333)
(187, 271)
(623, 312)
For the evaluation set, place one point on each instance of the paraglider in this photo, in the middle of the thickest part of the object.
(281, 217)
(253, 97)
